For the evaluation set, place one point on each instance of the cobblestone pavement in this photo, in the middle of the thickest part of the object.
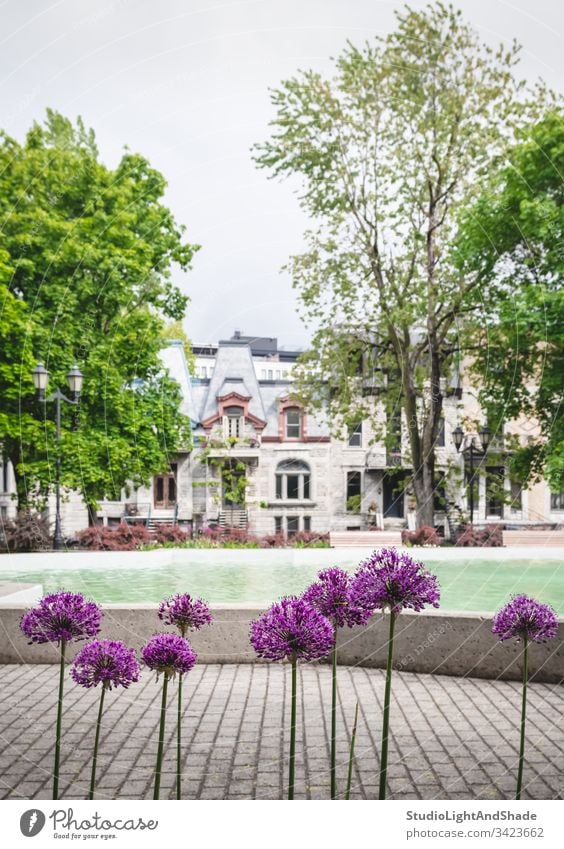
(452, 738)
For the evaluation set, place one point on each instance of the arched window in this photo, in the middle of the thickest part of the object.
(234, 421)
(293, 481)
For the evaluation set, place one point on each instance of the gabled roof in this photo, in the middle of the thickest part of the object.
(234, 371)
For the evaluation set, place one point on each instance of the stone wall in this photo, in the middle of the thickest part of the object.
(432, 642)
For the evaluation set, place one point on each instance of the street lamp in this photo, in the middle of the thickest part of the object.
(474, 443)
(40, 377)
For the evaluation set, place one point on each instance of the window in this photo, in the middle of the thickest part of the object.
(355, 436)
(516, 495)
(292, 424)
(307, 523)
(557, 500)
(494, 490)
(235, 421)
(293, 481)
(4, 479)
(278, 525)
(354, 483)
(439, 493)
(441, 433)
(292, 525)
(270, 374)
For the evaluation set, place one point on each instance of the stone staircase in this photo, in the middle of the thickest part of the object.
(235, 518)
(364, 539)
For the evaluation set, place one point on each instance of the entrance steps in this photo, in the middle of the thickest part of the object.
(364, 539)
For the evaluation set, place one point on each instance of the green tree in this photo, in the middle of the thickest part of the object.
(385, 154)
(85, 275)
(511, 240)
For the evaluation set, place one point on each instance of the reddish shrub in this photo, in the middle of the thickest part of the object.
(490, 536)
(425, 535)
(273, 541)
(26, 532)
(122, 537)
(305, 538)
(169, 533)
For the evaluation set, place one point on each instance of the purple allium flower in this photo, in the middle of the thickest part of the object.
(330, 594)
(185, 612)
(61, 616)
(292, 628)
(169, 653)
(522, 617)
(106, 662)
(394, 580)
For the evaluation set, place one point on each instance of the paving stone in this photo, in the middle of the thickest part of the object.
(451, 738)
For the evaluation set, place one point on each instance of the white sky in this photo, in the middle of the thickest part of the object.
(185, 84)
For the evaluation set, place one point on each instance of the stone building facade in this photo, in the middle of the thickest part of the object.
(259, 460)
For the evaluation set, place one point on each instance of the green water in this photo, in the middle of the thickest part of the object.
(466, 585)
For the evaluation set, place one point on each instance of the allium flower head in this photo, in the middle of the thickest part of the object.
(522, 617)
(61, 616)
(394, 580)
(169, 653)
(292, 627)
(330, 594)
(187, 613)
(107, 662)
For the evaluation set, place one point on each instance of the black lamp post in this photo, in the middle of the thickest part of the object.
(469, 439)
(40, 377)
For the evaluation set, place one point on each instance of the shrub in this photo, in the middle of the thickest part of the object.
(170, 533)
(273, 541)
(425, 535)
(471, 537)
(122, 537)
(309, 539)
(26, 532)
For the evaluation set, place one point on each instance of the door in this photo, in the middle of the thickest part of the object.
(164, 488)
(393, 495)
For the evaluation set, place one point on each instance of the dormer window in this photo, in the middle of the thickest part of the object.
(292, 424)
(234, 422)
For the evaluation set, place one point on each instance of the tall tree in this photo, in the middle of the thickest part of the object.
(85, 270)
(385, 153)
(511, 240)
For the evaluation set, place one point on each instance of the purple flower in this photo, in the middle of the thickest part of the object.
(61, 616)
(394, 580)
(168, 653)
(106, 662)
(185, 612)
(292, 628)
(522, 617)
(330, 595)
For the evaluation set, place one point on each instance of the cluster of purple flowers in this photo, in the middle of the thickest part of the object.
(292, 628)
(62, 617)
(525, 618)
(106, 662)
(331, 596)
(392, 580)
(169, 654)
(185, 612)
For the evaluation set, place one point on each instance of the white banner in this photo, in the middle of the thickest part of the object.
(264, 825)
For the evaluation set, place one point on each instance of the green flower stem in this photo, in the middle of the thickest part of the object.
(179, 741)
(523, 717)
(386, 722)
(59, 722)
(96, 741)
(292, 767)
(334, 721)
(351, 754)
(160, 749)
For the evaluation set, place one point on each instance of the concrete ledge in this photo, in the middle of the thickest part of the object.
(444, 643)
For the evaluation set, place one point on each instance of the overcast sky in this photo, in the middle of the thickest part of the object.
(185, 82)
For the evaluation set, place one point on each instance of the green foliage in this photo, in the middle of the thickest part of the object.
(85, 276)
(231, 472)
(387, 153)
(353, 504)
(511, 239)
